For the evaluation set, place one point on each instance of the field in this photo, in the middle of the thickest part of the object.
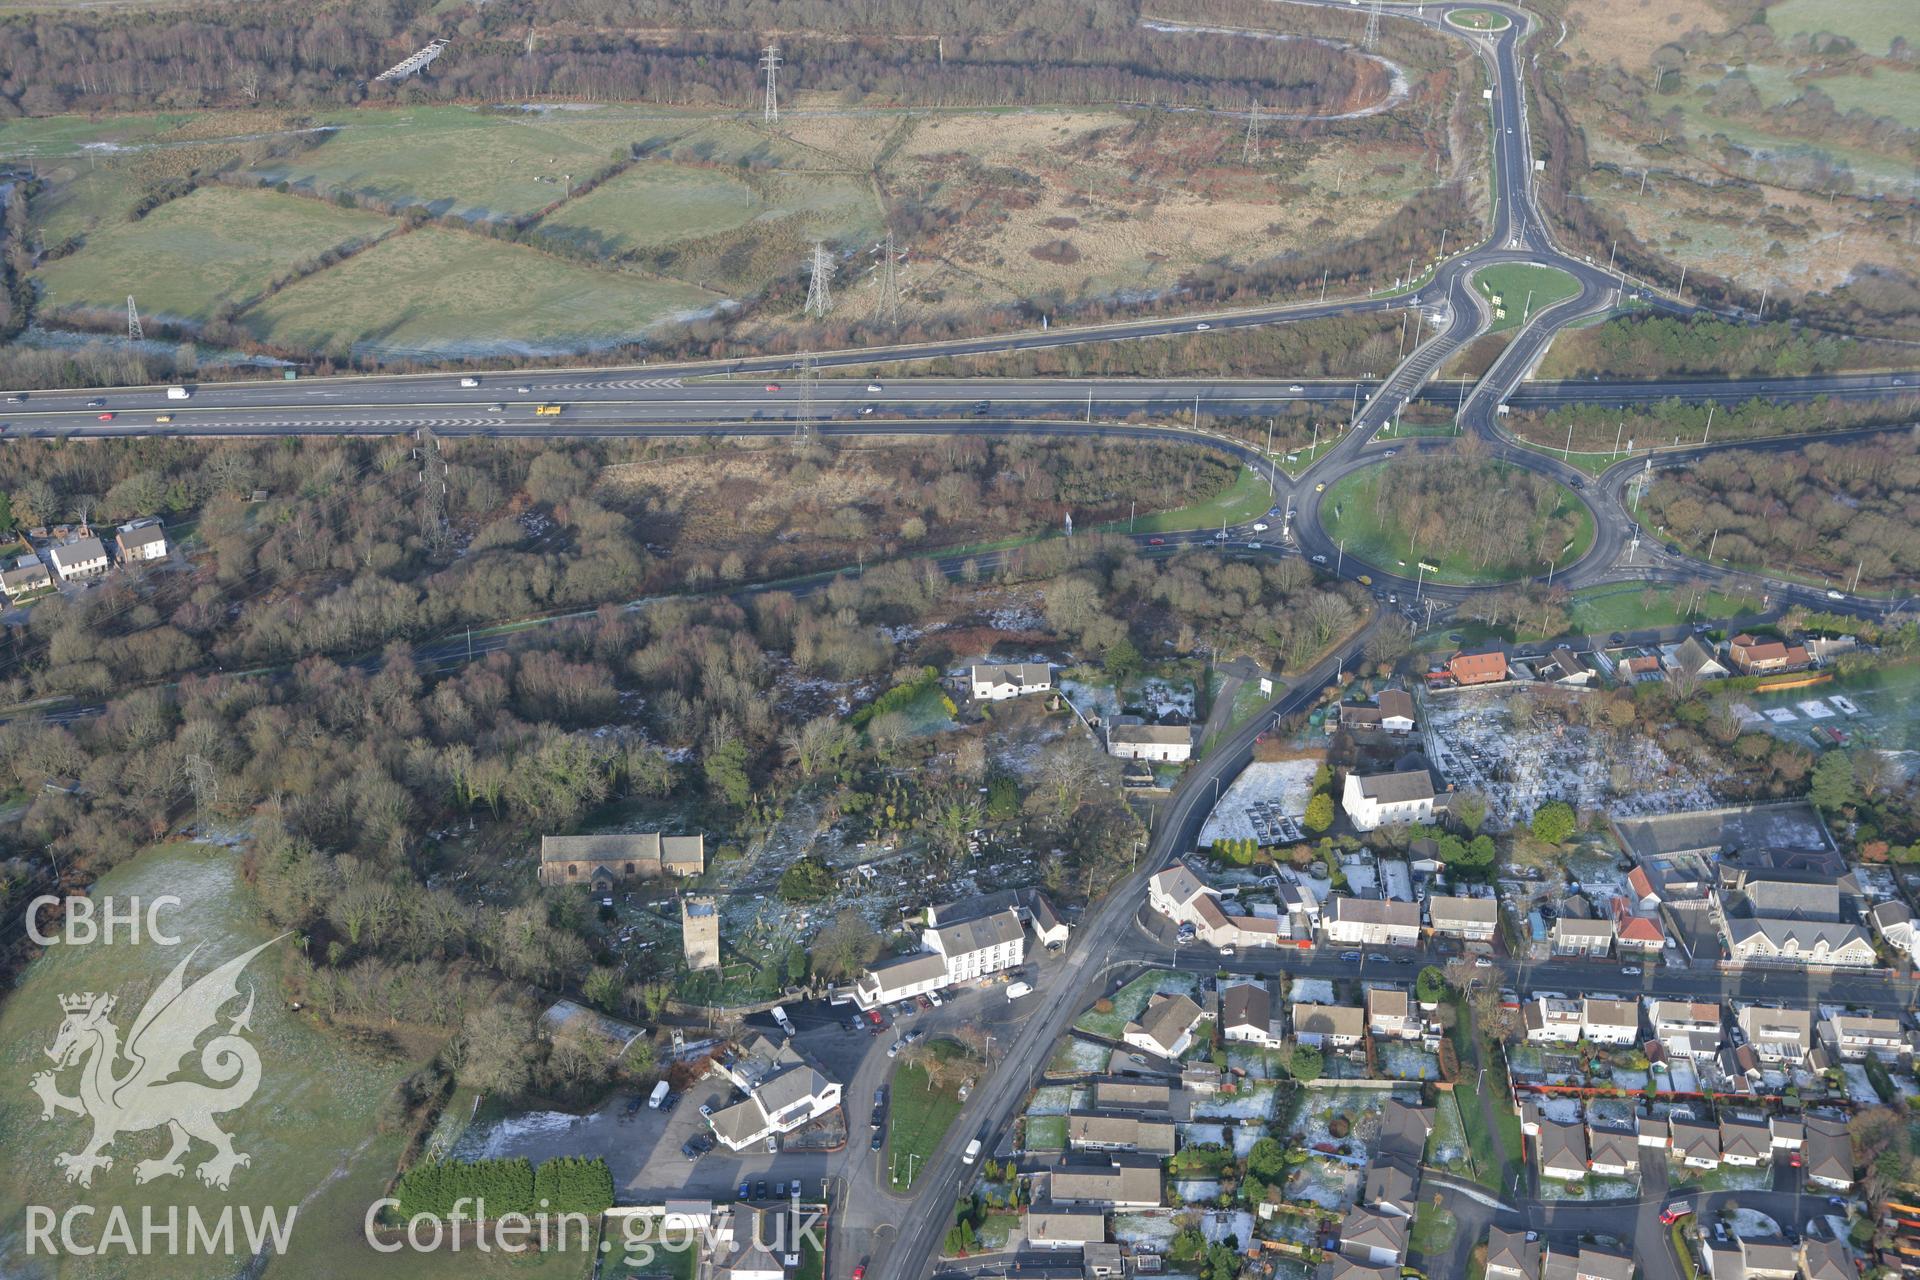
(1522, 291)
(1346, 511)
(439, 292)
(1870, 24)
(310, 1129)
(1245, 500)
(695, 208)
(1731, 193)
(191, 255)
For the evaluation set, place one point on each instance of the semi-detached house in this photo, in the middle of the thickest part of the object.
(1469, 919)
(1372, 922)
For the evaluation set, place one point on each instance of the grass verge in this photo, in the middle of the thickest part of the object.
(1247, 498)
(1348, 513)
(1522, 291)
(923, 1111)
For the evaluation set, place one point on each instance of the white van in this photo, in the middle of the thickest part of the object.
(659, 1095)
(780, 1016)
(1018, 989)
(973, 1152)
(179, 393)
(469, 382)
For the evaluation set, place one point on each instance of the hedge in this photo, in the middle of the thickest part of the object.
(565, 1184)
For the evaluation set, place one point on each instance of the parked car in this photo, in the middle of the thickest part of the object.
(879, 1140)
(1631, 970)
(746, 1190)
(934, 996)
(1350, 957)
(760, 1190)
(873, 1016)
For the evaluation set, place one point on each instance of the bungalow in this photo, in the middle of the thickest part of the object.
(1390, 1015)
(1056, 1228)
(1563, 666)
(1167, 743)
(1828, 1154)
(1374, 1235)
(1782, 1036)
(1562, 1149)
(1246, 1015)
(1745, 1142)
(1131, 1095)
(1469, 919)
(1614, 1152)
(1695, 659)
(1686, 1029)
(81, 558)
(1330, 1026)
(998, 683)
(1121, 1182)
(1165, 1028)
(1387, 799)
(1391, 712)
(1511, 1256)
(602, 861)
(1089, 1132)
(1592, 938)
(1697, 1145)
(1372, 922)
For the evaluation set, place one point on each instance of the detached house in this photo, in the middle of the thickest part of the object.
(1385, 799)
(81, 558)
(1246, 1015)
(1010, 680)
(1686, 1029)
(27, 576)
(1827, 1155)
(1752, 657)
(1390, 1015)
(1478, 668)
(1851, 1038)
(140, 543)
(1777, 1036)
(1330, 1026)
(1562, 1148)
(1165, 1028)
(1391, 712)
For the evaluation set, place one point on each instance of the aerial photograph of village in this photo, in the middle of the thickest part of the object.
(1280, 638)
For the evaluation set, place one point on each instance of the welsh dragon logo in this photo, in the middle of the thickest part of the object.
(130, 1088)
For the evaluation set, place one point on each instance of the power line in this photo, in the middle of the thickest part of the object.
(770, 63)
(820, 286)
(889, 281)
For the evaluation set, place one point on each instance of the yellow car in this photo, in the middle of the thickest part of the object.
(1321, 487)
(163, 417)
(1364, 580)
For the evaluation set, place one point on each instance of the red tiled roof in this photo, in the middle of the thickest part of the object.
(1640, 882)
(1640, 929)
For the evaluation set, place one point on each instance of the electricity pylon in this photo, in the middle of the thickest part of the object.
(1250, 148)
(770, 63)
(134, 332)
(820, 286)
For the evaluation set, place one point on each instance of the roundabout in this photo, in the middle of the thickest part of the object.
(1469, 522)
(1484, 21)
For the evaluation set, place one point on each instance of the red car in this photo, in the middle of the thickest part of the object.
(1156, 542)
(873, 1016)
(773, 386)
(106, 417)
(1674, 1212)
(860, 1272)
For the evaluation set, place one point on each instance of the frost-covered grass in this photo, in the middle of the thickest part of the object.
(1051, 1100)
(1404, 1060)
(1131, 1000)
(1447, 1144)
(1079, 1057)
(1253, 1102)
(1046, 1133)
(1327, 1183)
